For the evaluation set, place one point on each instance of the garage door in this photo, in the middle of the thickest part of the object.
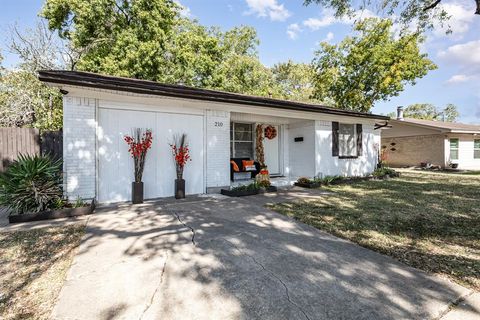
(115, 167)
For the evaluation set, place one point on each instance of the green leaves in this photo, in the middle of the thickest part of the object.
(370, 66)
(428, 111)
(31, 184)
(25, 101)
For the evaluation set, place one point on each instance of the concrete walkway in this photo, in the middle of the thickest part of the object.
(234, 259)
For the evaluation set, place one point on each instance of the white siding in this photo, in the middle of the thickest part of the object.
(465, 151)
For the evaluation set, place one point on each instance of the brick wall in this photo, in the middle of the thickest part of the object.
(218, 149)
(79, 145)
(411, 151)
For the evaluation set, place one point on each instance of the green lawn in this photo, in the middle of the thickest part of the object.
(427, 220)
(33, 267)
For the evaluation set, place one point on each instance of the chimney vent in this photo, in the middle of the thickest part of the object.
(400, 113)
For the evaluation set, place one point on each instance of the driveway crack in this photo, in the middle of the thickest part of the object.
(186, 225)
(156, 289)
(271, 273)
(453, 304)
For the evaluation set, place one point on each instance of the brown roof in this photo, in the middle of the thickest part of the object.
(93, 80)
(447, 126)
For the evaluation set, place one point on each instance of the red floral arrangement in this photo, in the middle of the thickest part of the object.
(270, 132)
(139, 143)
(181, 153)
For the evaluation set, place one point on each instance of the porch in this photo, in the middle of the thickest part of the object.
(288, 148)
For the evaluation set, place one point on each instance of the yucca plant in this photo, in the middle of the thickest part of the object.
(31, 184)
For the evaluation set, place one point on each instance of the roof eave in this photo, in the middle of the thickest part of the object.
(55, 79)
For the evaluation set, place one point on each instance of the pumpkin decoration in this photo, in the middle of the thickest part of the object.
(270, 132)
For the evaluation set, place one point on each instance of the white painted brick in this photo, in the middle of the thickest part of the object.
(218, 148)
(79, 143)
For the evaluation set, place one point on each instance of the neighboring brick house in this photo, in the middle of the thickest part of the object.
(409, 142)
(310, 140)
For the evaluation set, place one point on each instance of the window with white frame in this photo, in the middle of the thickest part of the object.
(241, 140)
(454, 146)
(476, 149)
(347, 140)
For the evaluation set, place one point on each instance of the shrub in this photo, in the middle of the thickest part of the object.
(264, 184)
(304, 180)
(328, 179)
(250, 187)
(31, 184)
(384, 172)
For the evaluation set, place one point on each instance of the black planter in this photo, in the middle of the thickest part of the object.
(239, 193)
(179, 188)
(53, 214)
(137, 192)
(312, 185)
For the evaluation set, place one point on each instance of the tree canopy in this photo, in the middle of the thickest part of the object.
(423, 14)
(428, 111)
(370, 66)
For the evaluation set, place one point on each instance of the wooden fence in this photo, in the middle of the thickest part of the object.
(16, 141)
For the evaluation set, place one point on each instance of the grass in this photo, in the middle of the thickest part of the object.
(33, 267)
(427, 220)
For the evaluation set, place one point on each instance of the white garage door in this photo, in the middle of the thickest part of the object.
(115, 171)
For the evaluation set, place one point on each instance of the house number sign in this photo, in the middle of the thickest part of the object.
(218, 124)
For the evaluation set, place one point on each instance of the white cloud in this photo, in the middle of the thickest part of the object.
(293, 30)
(329, 37)
(465, 54)
(325, 20)
(465, 58)
(268, 8)
(459, 78)
(459, 22)
(328, 18)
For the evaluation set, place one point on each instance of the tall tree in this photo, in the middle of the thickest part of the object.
(295, 80)
(123, 37)
(150, 40)
(425, 111)
(428, 111)
(425, 14)
(371, 66)
(450, 113)
(25, 101)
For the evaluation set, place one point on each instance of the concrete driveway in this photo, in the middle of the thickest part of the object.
(234, 259)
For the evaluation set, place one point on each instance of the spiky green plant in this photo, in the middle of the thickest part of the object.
(31, 184)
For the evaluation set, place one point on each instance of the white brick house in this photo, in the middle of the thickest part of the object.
(312, 140)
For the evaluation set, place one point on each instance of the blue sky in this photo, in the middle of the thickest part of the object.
(288, 30)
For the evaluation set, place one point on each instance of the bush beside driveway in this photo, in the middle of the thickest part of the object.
(428, 220)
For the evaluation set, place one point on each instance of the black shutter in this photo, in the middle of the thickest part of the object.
(359, 140)
(334, 139)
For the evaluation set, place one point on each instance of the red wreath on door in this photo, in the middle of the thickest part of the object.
(270, 132)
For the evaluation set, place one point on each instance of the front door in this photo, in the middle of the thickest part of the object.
(272, 153)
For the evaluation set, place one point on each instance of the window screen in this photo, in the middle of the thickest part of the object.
(241, 140)
(454, 149)
(347, 141)
(476, 149)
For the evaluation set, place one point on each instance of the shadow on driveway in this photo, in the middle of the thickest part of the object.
(235, 259)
